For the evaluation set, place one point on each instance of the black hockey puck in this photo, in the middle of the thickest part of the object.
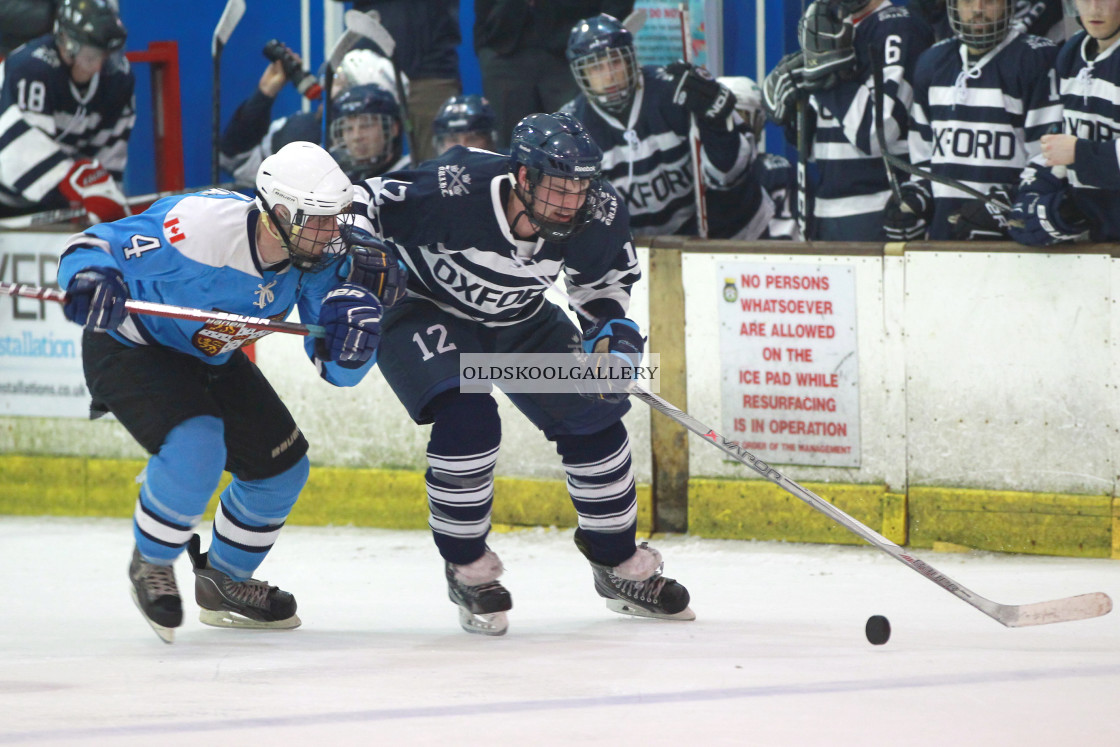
(878, 630)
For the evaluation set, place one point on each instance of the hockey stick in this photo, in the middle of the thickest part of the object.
(699, 188)
(877, 76)
(802, 168)
(1067, 609)
(369, 27)
(173, 312)
(60, 215)
(231, 16)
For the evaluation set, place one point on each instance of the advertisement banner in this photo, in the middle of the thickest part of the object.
(660, 41)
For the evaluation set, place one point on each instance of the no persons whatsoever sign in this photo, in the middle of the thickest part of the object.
(788, 362)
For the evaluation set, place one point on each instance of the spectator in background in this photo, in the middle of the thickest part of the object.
(427, 38)
(24, 20)
(463, 120)
(520, 46)
(66, 113)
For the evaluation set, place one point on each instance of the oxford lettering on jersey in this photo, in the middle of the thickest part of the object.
(973, 143)
(1089, 129)
(664, 185)
(474, 291)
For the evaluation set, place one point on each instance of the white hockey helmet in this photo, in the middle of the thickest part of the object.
(360, 67)
(305, 195)
(748, 100)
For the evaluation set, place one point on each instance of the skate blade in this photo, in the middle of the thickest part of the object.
(167, 635)
(625, 608)
(493, 623)
(227, 619)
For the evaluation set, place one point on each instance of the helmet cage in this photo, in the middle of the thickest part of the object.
(313, 243)
(980, 36)
(374, 159)
(605, 63)
(556, 230)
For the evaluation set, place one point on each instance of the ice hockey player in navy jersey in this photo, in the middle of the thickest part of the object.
(982, 100)
(641, 116)
(483, 236)
(464, 120)
(1072, 190)
(366, 132)
(841, 40)
(186, 391)
(66, 113)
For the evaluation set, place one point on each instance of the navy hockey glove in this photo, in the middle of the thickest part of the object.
(980, 220)
(908, 221)
(96, 298)
(374, 265)
(826, 39)
(351, 315)
(1042, 214)
(779, 89)
(622, 343)
(700, 93)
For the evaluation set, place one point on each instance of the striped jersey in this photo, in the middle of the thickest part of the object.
(1089, 85)
(447, 216)
(199, 250)
(47, 122)
(647, 159)
(978, 121)
(852, 179)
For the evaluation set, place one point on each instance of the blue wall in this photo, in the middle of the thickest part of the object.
(242, 63)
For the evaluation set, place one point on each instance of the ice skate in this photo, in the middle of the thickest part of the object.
(636, 587)
(226, 603)
(483, 602)
(156, 595)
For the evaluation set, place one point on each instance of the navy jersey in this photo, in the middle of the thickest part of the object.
(979, 121)
(778, 179)
(852, 179)
(648, 160)
(448, 218)
(1091, 111)
(199, 250)
(47, 122)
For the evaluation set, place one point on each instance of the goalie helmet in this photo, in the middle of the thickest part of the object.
(982, 26)
(305, 195)
(748, 101)
(365, 135)
(556, 147)
(601, 54)
(464, 120)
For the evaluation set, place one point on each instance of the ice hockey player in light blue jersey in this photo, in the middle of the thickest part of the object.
(982, 101)
(186, 391)
(640, 117)
(1072, 190)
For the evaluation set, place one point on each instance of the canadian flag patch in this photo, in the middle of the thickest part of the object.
(174, 233)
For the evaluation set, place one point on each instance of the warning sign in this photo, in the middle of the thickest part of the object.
(790, 372)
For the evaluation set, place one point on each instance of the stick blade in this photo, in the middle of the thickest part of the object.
(366, 25)
(231, 16)
(635, 21)
(1081, 607)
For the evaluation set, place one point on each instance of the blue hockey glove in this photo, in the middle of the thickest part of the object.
(351, 315)
(980, 220)
(374, 266)
(623, 343)
(1042, 214)
(909, 220)
(96, 298)
(827, 40)
(696, 90)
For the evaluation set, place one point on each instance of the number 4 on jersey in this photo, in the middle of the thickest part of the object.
(139, 245)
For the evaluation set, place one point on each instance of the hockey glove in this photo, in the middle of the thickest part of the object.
(826, 39)
(779, 90)
(616, 346)
(1042, 214)
(908, 221)
(374, 266)
(91, 186)
(980, 220)
(351, 315)
(96, 299)
(696, 90)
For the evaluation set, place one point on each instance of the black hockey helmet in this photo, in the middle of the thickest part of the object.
(555, 145)
(596, 43)
(90, 23)
(365, 134)
(461, 116)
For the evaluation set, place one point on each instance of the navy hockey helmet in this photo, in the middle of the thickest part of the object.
(981, 27)
(89, 23)
(464, 120)
(603, 61)
(556, 146)
(365, 135)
